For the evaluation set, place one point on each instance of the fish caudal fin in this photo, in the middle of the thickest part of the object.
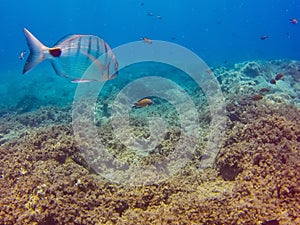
(37, 51)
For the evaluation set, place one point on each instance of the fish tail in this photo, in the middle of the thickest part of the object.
(37, 51)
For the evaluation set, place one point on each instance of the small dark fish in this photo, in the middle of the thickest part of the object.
(272, 81)
(279, 76)
(150, 14)
(257, 97)
(293, 21)
(71, 57)
(264, 90)
(22, 55)
(146, 40)
(145, 102)
(264, 37)
(142, 4)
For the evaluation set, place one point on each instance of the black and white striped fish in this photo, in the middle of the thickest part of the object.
(74, 56)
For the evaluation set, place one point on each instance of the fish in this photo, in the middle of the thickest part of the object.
(159, 17)
(72, 56)
(257, 97)
(264, 37)
(208, 71)
(150, 14)
(272, 81)
(293, 21)
(144, 102)
(22, 55)
(279, 76)
(146, 40)
(263, 90)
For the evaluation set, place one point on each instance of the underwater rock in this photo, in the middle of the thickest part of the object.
(293, 69)
(27, 104)
(251, 69)
(229, 172)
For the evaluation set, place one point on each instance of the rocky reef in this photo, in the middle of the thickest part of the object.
(45, 180)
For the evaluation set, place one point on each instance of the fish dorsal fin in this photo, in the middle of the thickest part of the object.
(64, 38)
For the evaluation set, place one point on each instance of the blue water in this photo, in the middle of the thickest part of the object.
(219, 31)
(49, 155)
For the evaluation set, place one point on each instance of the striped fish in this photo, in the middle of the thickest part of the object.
(74, 56)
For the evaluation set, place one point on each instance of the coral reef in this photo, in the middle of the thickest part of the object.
(44, 179)
(251, 69)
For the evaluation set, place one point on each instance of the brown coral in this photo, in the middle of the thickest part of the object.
(45, 180)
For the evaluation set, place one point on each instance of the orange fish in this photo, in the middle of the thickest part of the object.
(146, 40)
(145, 102)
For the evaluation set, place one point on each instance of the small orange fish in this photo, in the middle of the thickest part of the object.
(145, 102)
(279, 76)
(146, 40)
